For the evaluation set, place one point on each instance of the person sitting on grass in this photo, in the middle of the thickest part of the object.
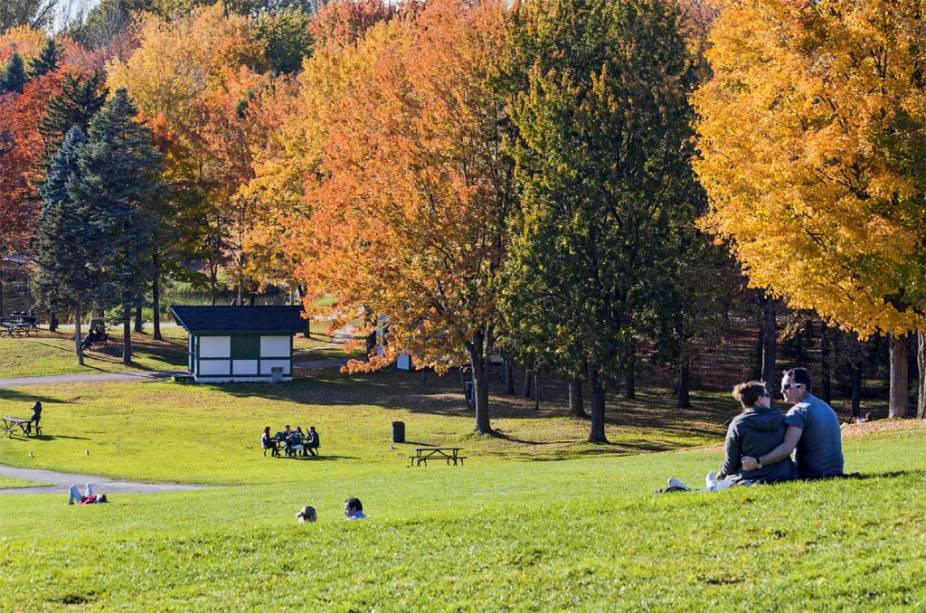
(88, 498)
(757, 430)
(812, 429)
(312, 443)
(267, 442)
(306, 514)
(353, 509)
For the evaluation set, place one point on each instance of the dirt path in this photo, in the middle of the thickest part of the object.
(58, 482)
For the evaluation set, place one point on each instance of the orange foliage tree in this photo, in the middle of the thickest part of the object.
(409, 208)
(21, 153)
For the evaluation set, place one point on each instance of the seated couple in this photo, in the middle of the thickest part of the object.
(760, 440)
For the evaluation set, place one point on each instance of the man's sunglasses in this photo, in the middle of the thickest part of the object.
(788, 386)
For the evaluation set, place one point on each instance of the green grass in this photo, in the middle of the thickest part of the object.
(585, 534)
(535, 520)
(52, 353)
(6, 483)
(209, 434)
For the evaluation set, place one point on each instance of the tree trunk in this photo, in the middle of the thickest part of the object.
(139, 317)
(1, 282)
(857, 389)
(52, 321)
(630, 375)
(126, 331)
(683, 400)
(769, 340)
(576, 404)
(480, 384)
(526, 388)
(508, 370)
(77, 339)
(826, 392)
(757, 358)
(156, 298)
(597, 435)
(897, 408)
(537, 391)
(921, 371)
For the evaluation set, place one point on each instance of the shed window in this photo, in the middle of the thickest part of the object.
(245, 347)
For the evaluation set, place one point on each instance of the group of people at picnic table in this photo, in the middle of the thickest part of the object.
(292, 441)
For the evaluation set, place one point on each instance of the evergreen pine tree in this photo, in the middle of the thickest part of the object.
(14, 77)
(80, 98)
(120, 180)
(64, 278)
(47, 61)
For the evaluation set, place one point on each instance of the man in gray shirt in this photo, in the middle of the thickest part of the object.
(812, 429)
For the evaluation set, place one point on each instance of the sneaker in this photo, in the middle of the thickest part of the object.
(677, 485)
(710, 480)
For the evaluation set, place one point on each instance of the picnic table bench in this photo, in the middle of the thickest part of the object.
(17, 327)
(11, 424)
(448, 454)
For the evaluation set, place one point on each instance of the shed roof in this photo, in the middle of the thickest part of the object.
(242, 319)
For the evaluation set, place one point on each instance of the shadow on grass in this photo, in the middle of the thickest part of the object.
(433, 395)
(891, 474)
(14, 395)
(318, 458)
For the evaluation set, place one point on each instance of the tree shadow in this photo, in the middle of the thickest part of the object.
(890, 474)
(318, 458)
(13, 395)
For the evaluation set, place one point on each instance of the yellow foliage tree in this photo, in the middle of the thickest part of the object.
(813, 154)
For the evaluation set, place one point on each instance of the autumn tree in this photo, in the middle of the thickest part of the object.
(410, 210)
(21, 163)
(188, 76)
(294, 116)
(603, 165)
(813, 153)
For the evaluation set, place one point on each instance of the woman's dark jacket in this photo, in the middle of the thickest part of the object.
(755, 432)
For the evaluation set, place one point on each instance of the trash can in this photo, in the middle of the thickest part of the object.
(398, 432)
(276, 374)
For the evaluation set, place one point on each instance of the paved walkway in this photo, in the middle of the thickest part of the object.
(58, 483)
(100, 376)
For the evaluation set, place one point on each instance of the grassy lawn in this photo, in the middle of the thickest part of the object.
(209, 434)
(52, 353)
(536, 519)
(583, 534)
(6, 483)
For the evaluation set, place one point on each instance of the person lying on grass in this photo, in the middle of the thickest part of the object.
(88, 498)
(812, 429)
(756, 431)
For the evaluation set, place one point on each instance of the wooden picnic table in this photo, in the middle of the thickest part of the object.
(449, 454)
(10, 424)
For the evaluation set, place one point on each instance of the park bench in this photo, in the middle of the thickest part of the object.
(448, 454)
(11, 425)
